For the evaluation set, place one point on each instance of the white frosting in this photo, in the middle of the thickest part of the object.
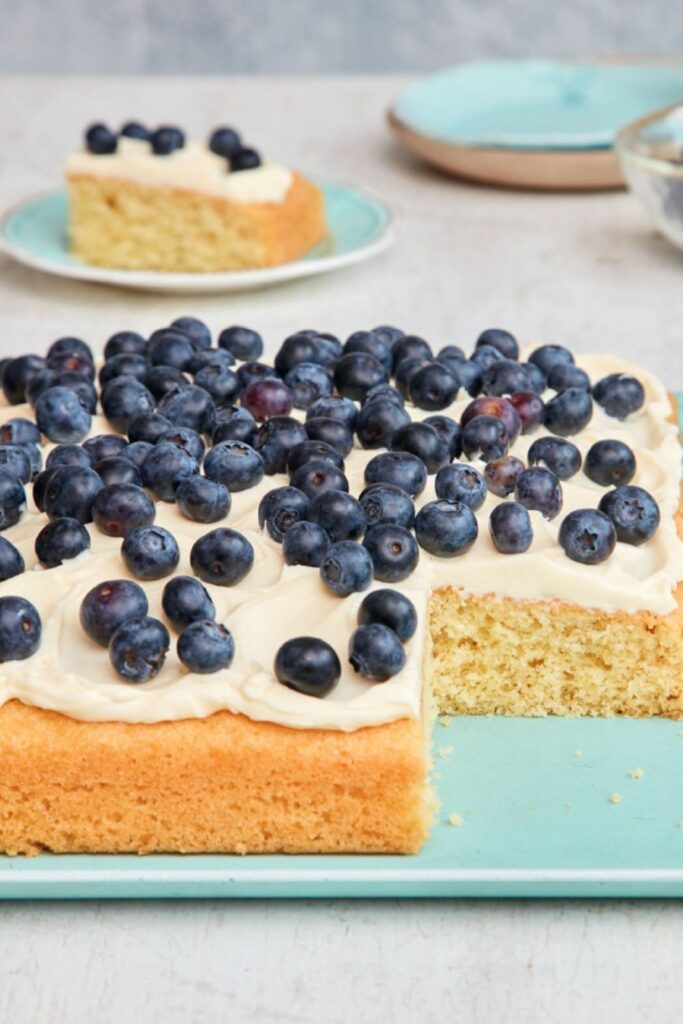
(193, 168)
(71, 674)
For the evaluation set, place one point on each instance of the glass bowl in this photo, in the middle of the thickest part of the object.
(650, 152)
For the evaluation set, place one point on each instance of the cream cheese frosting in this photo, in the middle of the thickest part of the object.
(72, 674)
(193, 168)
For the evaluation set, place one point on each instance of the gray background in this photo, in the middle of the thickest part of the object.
(302, 36)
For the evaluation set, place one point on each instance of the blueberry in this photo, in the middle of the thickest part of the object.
(422, 440)
(318, 476)
(467, 372)
(619, 395)
(538, 489)
(61, 416)
(332, 432)
(100, 140)
(149, 427)
(393, 550)
(19, 430)
(406, 370)
(537, 379)
(165, 380)
(446, 528)
(378, 421)
(39, 488)
(567, 375)
(250, 372)
(213, 357)
(505, 342)
(82, 388)
(610, 463)
(382, 392)
(275, 439)
(170, 348)
(558, 455)
(268, 398)
(389, 608)
(356, 373)
(125, 342)
(166, 140)
(504, 378)
(66, 347)
(108, 605)
(123, 400)
(68, 455)
(195, 329)
(459, 482)
(587, 536)
(502, 475)
(346, 568)
(235, 425)
(485, 356)
(449, 431)
(548, 356)
(375, 652)
(119, 508)
(71, 492)
(127, 364)
(400, 468)
(235, 464)
(186, 600)
(305, 544)
(530, 409)
(410, 346)
(220, 382)
(450, 352)
(165, 466)
(190, 407)
(299, 348)
(389, 335)
(206, 646)
(244, 343)
(339, 514)
(17, 374)
(490, 405)
(245, 160)
(568, 412)
(12, 499)
(223, 557)
(307, 383)
(202, 500)
(183, 437)
(225, 142)
(137, 452)
(35, 458)
(15, 460)
(11, 560)
(336, 408)
(386, 503)
(150, 552)
(138, 649)
(634, 512)
(433, 387)
(485, 438)
(104, 446)
(75, 364)
(372, 345)
(135, 130)
(118, 469)
(20, 629)
(307, 450)
(59, 541)
(308, 665)
(281, 508)
(510, 528)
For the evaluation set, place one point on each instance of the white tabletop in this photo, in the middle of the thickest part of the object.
(585, 270)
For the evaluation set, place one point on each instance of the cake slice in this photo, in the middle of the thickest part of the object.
(157, 202)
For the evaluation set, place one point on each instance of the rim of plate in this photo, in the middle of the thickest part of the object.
(231, 280)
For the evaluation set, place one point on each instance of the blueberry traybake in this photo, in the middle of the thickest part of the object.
(235, 593)
(150, 200)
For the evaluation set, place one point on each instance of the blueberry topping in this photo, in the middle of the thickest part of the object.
(252, 371)
(61, 416)
(20, 629)
(610, 463)
(485, 438)
(125, 342)
(166, 140)
(15, 459)
(12, 499)
(165, 380)
(538, 489)
(123, 400)
(491, 405)
(587, 536)
(537, 379)
(317, 476)
(619, 395)
(568, 412)
(275, 439)
(233, 424)
(410, 346)
(462, 483)
(70, 492)
(267, 398)
(560, 456)
(183, 437)
(223, 557)
(165, 466)
(190, 407)
(634, 513)
(356, 373)
(485, 356)
(389, 608)
(504, 377)
(244, 343)
(100, 140)
(202, 500)
(332, 431)
(308, 665)
(422, 440)
(386, 503)
(305, 543)
(138, 649)
(245, 160)
(502, 475)
(150, 552)
(433, 387)
(339, 514)
(505, 342)
(17, 374)
(530, 409)
(335, 408)
(567, 375)
(446, 528)
(11, 560)
(19, 431)
(402, 469)
(548, 356)
(186, 600)
(61, 540)
(449, 431)
(382, 392)
(467, 372)
(195, 329)
(235, 464)
(375, 652)
(346, 568)
(206, 646)
(135, 130)
(108, 605)
(220, 382)
(137, 452)
(406, 370)
(169, 347)
(151, 426)
(225, 142)
(393, 550)
(118, 469)
(510, 528)
(307, 450)
(127, 364)
(119, 508)
(378, 422)
(307, 383)
(281, 508)
(103, 446)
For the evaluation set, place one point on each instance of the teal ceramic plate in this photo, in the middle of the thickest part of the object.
(541, 105)
(360, 226)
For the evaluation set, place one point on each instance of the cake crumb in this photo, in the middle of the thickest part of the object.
(455, 820)
(241, 849)
(445, 751)
(637, 773)
(616, 798)
(445, 720)
(578, 753)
